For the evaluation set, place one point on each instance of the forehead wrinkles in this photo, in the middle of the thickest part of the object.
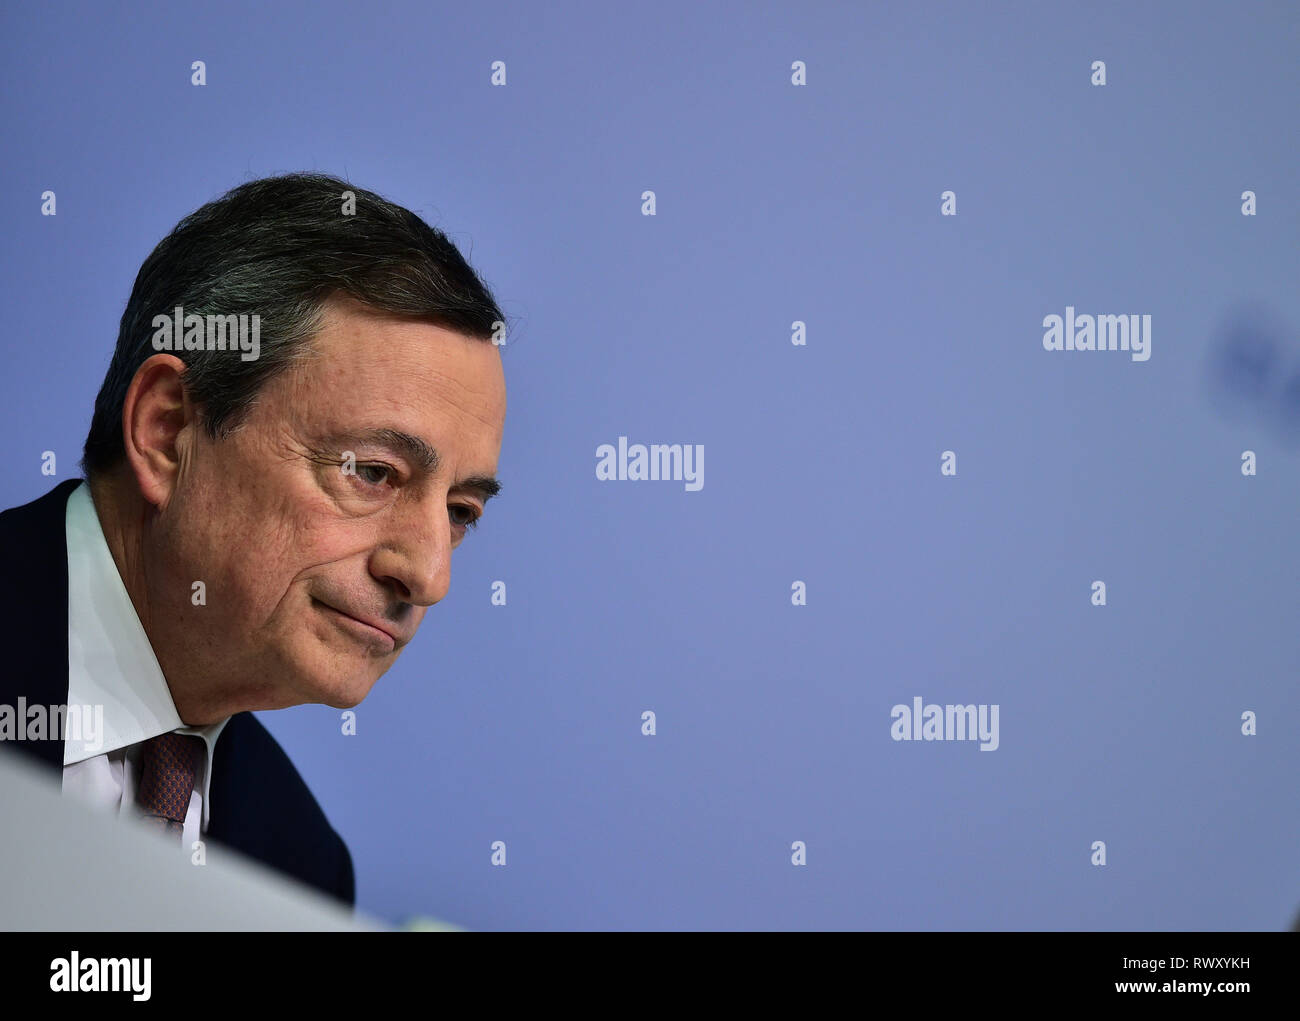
(384, 368)
(408, 363)
(466, 439)
(476, 399)
(425, 402)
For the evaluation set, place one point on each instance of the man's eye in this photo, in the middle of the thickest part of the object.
(374, 474)
(469, 516)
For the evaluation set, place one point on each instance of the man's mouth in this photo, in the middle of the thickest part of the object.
(367, 631)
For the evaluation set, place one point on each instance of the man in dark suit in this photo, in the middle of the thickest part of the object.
(302, 418)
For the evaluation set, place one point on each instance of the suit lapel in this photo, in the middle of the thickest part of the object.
(34, 611)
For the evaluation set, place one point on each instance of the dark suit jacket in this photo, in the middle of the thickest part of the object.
(259, 804)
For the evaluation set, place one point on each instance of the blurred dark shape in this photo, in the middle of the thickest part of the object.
(1287, 411)
(1248, 354)
(1255, 369)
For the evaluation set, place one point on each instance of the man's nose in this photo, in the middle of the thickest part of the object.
(417, 558)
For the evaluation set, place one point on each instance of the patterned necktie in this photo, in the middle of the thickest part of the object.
(168, 763)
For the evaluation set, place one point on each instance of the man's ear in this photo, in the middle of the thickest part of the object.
(157, 418)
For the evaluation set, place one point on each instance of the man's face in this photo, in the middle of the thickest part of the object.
(324, 525)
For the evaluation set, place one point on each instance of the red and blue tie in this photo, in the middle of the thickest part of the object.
(168, 764)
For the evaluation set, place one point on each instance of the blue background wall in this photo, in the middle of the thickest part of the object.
(775, 203)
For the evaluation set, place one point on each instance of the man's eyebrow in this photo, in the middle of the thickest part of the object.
(427, 459)
(486, 486)
(412, 447)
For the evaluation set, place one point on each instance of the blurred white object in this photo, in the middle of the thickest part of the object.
(67, 868)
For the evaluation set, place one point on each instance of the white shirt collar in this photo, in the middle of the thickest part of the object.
(110, 660)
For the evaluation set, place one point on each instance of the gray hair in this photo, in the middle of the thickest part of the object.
(280, 247)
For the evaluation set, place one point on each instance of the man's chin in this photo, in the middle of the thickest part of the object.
(347, 695)
(326, 673)
(335, 691)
